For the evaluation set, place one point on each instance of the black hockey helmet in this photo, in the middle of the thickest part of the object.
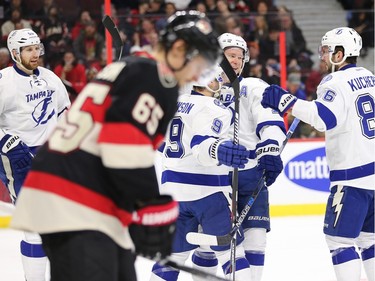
(196, 30)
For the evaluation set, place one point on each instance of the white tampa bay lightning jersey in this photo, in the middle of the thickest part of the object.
(345, 110)
(253, 117)
(188, 171)
(30, 104)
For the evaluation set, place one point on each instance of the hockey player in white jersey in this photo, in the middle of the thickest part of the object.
(261, 129)
(344, 110)
(197, 156)
(31, 99)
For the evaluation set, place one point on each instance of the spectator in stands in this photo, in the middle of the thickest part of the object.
(55, 35)
(15, 4)
(230, 24)
(211, 8)
(259, 31)
(15, 22)
(79, 26)
(313, 80)
(72, 71)
(138, 14)
(5, 60)
(89, 45)
(219, 20)
(294, 36)
(362, 20)
(169, 9)
(201, 7)
(156, 8)
(295, 86)
(144, 37)
(270, 53)
(42, 13)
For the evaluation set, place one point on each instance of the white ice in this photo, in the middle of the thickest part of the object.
(296, 251)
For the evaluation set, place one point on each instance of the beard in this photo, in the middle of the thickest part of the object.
(28, 65)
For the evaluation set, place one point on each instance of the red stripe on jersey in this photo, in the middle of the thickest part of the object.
(76, 193)
(122, 133)
(97, 111)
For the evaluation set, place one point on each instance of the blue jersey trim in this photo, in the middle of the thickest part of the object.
(21, 72)
(194, 179)
(353, 173)
(270, 123)
(326, 115)
(161, 147)
(197, 139)
(348, 66)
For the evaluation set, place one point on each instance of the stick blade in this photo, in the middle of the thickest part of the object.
(195, 238)
(112, 29)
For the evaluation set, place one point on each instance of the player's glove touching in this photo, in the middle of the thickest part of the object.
(229, 154)
(278, 99)
(17, 151)
(269, 160)
(153, 227)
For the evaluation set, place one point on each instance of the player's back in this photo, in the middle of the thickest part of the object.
(350, 95)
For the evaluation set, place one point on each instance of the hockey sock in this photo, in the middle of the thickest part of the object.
(368, 262)
(242, 269)
(34, 261)
(256, 261)
(205, 261)
(346, 264)
(160, 272)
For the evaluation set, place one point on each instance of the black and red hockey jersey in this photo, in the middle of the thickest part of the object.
(99, 160)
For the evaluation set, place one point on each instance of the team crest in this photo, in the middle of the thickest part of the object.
(204, 26)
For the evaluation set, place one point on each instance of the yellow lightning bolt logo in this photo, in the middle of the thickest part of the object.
(337, 198)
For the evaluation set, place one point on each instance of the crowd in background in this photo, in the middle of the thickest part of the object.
(75, 48)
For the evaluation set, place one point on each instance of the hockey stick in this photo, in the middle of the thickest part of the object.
(212, 240)
(191, 270)
(235, 82)
(115, 34)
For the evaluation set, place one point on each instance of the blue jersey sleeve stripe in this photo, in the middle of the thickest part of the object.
(197, 139)
(194, 179)
(326, 115)
(270, 123)
(161, 147)
(353, 173)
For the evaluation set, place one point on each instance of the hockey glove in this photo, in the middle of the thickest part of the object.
(17, 151)
(278, 99)
(269, 160)
(229, 154)
(153, 227)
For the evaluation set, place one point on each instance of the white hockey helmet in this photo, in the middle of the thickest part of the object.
(208, 76)
(345, 37)
(229, 40)
(21, 38)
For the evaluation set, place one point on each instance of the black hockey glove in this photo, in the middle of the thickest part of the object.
(153, 227)
(17, 151)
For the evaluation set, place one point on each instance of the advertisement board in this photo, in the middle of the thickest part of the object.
(303, 186)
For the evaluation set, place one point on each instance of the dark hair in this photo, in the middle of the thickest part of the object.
(351, 60)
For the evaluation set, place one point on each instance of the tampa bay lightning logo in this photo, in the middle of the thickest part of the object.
(44, 110)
